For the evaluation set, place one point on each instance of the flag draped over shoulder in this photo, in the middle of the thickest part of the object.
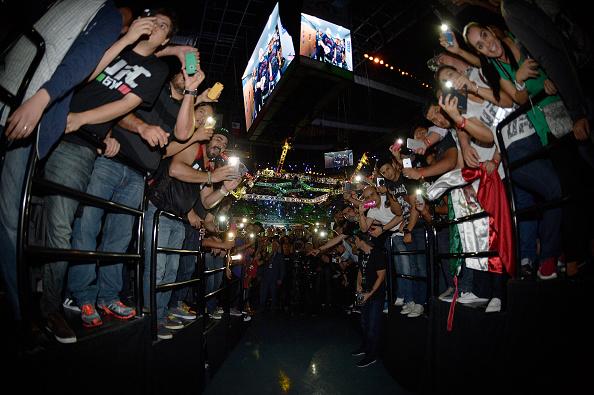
(490, 194)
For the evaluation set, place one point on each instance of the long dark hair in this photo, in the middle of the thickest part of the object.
(487, 65)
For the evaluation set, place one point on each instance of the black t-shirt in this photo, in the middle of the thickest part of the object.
(163, 114)
(173, 195)
(369, 264)
(128, 73)
(445, 144)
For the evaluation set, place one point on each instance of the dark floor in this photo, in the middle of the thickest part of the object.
(300, 355)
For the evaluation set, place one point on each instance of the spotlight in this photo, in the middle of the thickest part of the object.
(252, 235)
(365, 56)
(391, 68)
(387, 65)
(381, 62)
(371, 58)
(376, 60)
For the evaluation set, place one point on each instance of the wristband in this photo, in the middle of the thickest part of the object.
(520, 86)
(422, 172)
(462, 124)
(191, 92)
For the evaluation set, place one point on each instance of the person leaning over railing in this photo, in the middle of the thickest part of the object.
(506, 67)
(90, 31)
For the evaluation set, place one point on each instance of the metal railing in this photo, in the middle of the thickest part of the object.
(393, 252)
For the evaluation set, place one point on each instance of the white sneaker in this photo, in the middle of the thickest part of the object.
(469, 297)
(399, 302)
(408, 306)
(247, 318)
(70, 304)
(494, 306)
(416, 311)
(235, 312)
(447, 295)
(220, 310)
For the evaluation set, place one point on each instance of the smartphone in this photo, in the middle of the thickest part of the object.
(191, 63)
(406, 163)
(449, 35)
(379, 181)
(414, 144)
(462, 98)
(215, 91)
(348, 187)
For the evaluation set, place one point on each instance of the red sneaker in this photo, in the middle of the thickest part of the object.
(548, 269)
(90, 317)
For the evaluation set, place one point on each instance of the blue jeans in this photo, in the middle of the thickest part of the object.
(70, 165)
(187, 266)
(171, 234)
(113, 181)
(539, 178)
(404, 287)
(419, 265)
(213, 281)
(12, 184)
(371, 322)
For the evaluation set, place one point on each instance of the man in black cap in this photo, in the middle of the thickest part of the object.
(370, 295)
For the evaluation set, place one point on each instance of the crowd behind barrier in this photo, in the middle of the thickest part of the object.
(477, 195)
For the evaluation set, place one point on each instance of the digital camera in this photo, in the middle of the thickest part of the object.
(359, 299)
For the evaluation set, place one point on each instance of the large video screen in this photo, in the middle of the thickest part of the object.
(273, 54)
(338, 159)
(326, 42)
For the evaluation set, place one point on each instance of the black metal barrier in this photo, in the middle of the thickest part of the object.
(509, 167)
(394, 252)
(199, 281)
(24, 250)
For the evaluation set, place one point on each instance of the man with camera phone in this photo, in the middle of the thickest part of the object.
(371, 291)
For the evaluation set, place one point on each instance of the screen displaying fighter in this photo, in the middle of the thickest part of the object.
(266, 66)
(326, 42)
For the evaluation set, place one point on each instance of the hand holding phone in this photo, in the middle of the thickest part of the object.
(379, 181)
(215, 91)
(191, 63)
(407, 163)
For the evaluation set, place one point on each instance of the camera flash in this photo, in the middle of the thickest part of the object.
(358, 178)
(252, 235)
(419, 192)
(449, 84)
(233, 160)
(236, 257)
(444, 27)
(399, 142)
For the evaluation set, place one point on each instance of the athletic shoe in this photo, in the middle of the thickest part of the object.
(173, 323)
(494, 306)
(247, 318)
(416, 311)
(547, 270)
(57, 325)
(235, 312)
(183, 314)
(216, 315)
(447, 295)
(407, 308)
(358, 352)
(118, 310)
(89, 316)
(469, 297)
(366, 361)
(399, 302)
(70, 304)
(164, 333)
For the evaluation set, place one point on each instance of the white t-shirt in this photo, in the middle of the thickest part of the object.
(491, 114)
(382, 214)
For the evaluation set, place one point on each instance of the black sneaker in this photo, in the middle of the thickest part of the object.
(358, 352)
(57, 325)
(366, 362)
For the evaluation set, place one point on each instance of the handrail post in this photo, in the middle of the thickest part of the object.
(153, 279)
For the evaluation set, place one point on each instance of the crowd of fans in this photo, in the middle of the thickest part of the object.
(108, 86)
